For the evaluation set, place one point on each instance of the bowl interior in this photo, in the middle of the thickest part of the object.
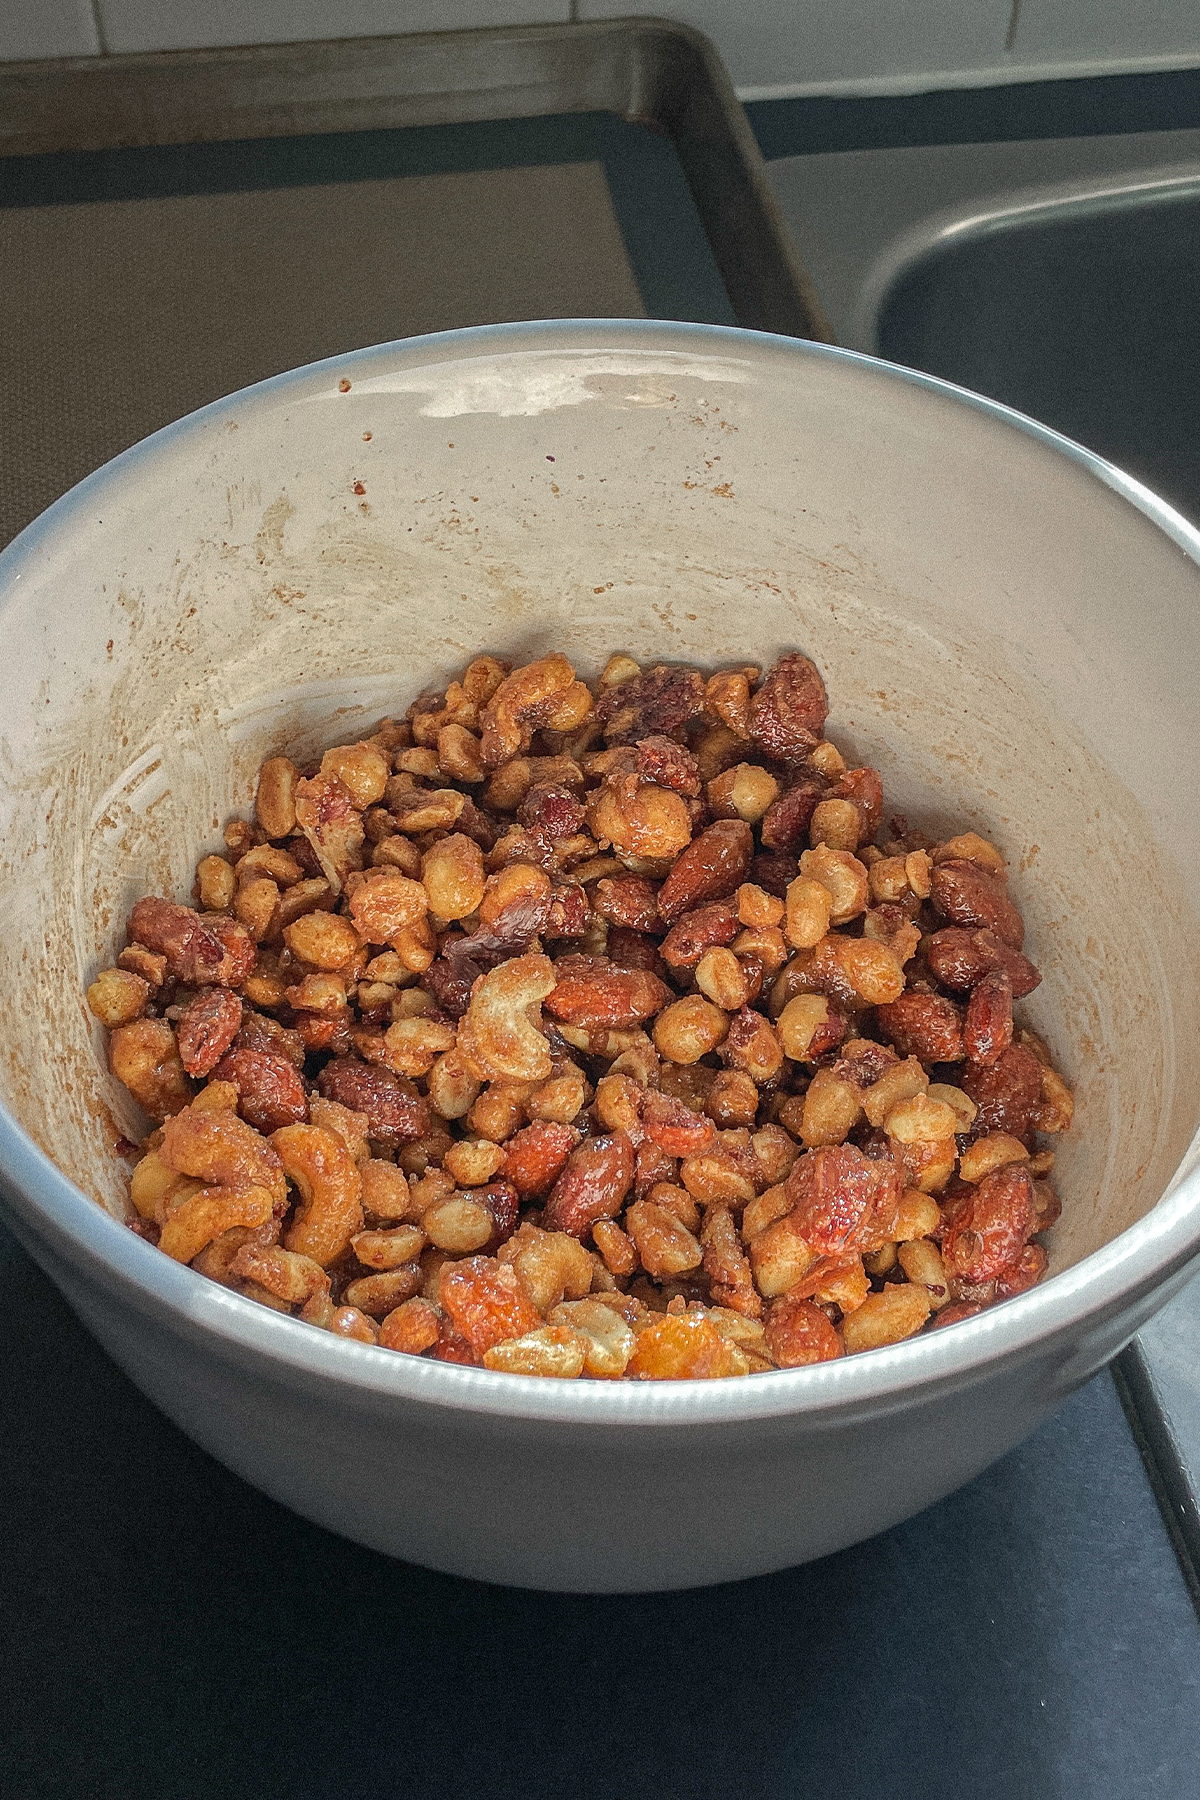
(1011, 641)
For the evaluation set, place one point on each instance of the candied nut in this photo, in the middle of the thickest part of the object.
(787, 714)
(324, 940)
(836, 824)
(762, 1211)
(727, 1265)
(617, 669)
(638, 818)
(378, 1295)
(799, 1333)
(593, 1185)
(515, 900)
(899, 1082)
(718, 1175)
(988, 1232)
(780, 1255)
(204, 1214)
(452, 1088)
(988, 1023)
(473, 1163)
(713, 925)
(681, 1347)
(727, 697)
(410, 1327)
(311, 896)
(619, 1105)
(918, 1215)
(388, 1249)
(486, 1302)
(923, 1025)
(326, 1176)
(964, 893)
(867, 969)
(786, 822)
(288, 1277)
(386, 1193)
(922, 1263)
(832, 1107)
(669, 765)
(520, 704)
(216, 883)
(500, 1039)
(348, 1321)
(362, 770)
(117, 997)
(562, 1097)
(990, 1152)
(396, 1113)
(383, 904)
(723, 979)
(970, 847)
(269, 860)
(664, 1245)
(458, 755)
(843, 875)
(755, 907)
(607, 1340)
(839, 1280)
(418, 810)
(744, 792)
(535, 1158)
(752, 1044)
(453, 878)
(413, 1045)
(628, 900)
(920, 1120)
(840, 1198)
(326, 814)
(809, 907)
(459, 1224)
(689, 1028)
(1023, 1274)
(482, 677)
(674, 1126)
(396, 852)
(206, 1027)
(144, 1057)
(964, 1108)
(257, 908)
(897, 1312)
(591, 992)
(620, 1257)
(1056, 1108)
(552, 1350)
(200, 951)
(1005, 1092)
(809, 1027)
(553, 1265)
(275, 799)
(499, 1110)
(137, 960)
(714, 865)
(958, 958)
(654, 704)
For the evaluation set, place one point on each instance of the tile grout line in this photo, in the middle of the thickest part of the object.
(98, 22)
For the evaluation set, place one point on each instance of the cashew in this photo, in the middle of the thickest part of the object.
(220, 1149)
(206, 1212)
(330, 1210)
(500, 1039)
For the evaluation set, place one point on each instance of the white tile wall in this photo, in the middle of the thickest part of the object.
(785, 44)
(199, 24)
(769, 46)
(1074, 31)
(31, 28)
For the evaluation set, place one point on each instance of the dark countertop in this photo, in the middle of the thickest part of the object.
(167, 1631)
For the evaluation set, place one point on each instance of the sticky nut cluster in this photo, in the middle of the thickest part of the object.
(606, 1032)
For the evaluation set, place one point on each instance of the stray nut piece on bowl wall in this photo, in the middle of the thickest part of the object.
(777, 1063)
(664, 1091)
